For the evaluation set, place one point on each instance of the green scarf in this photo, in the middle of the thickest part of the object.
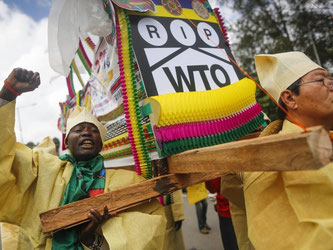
(81, 181)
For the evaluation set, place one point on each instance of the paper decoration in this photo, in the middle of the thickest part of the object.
(70, 84)
(130, 97)
(180, 53)
(136, 5)
(189, 120)
(77, 73)
(181, 59)
(90, 43)
(181, 49)
(84, 58)
(70, 20)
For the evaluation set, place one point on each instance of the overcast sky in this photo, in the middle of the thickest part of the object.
(23, 43)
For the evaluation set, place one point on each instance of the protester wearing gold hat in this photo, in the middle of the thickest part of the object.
(292, 209)
(34, 181)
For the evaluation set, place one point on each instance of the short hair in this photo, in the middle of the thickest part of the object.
(293, 88)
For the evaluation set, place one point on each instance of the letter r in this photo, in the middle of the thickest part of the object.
(152, 30)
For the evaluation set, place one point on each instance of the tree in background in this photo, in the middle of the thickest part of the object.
(268, 27)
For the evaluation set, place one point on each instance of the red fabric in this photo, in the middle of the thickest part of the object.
(95, 192)
(63, 141)
(223, 208)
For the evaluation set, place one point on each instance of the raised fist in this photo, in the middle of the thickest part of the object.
(22, 80)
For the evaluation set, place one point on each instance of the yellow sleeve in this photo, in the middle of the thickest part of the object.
(135, 230)
(9, 236)
(232, 189)
(177, 207)
(239, 223)
(17, 169)
(290, 210)
(310, 196)
(140, 227)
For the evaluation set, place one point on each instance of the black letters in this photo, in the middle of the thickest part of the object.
(190, 83)
(152, 30)
(183, 32)
(208, 33)
(213, 70)
(178, 86)
(201, 69)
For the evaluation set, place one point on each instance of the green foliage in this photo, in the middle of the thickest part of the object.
(268, 106)
(267, 27)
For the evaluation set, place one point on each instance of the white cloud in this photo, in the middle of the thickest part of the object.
(24, 44)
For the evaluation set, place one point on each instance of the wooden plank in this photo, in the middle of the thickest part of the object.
(272, 153)
(250, 136)
(76, 213)
(281, 152)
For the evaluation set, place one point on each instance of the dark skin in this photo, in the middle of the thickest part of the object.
(21, 80)
(84, 141)
(87, 233)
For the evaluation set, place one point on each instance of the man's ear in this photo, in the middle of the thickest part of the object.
(288, 97)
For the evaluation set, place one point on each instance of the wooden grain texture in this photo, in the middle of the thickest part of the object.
(76, 213)
(297, 151)
(281, 152)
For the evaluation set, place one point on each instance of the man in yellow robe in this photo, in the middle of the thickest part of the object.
(175, 216)
(291, 210)
(34, 181)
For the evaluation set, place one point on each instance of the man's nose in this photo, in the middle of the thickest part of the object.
(86, 132)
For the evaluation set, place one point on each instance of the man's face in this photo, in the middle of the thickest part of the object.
(84, 141)
(315, 100)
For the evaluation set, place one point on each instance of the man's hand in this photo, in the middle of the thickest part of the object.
(178, 224)
(87, 233)
(19, 81)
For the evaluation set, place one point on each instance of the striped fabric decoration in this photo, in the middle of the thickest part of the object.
(84, 58)
(77, 73)
(70, 84)
(90, 43)
(130, 96)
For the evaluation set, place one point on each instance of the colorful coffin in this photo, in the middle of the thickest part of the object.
(164, 82)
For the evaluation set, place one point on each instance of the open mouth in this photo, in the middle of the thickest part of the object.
(87, 144)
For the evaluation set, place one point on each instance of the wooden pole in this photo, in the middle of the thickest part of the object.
(281, 152)
(296, 151)
(76, 213)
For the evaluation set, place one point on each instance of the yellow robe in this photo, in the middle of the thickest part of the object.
(174, 212)
(282, 210)
(33, 181)
(290, 210)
